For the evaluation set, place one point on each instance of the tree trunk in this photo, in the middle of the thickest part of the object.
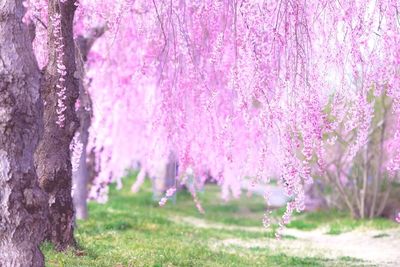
(171, 170)
(52, 157)
(140, 178)
(22, 203)
(80, 177)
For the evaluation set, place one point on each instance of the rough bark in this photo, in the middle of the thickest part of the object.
(52, 157)
(80, 177)
(22, 212)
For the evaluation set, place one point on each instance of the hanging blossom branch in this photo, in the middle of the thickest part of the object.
(229, 87)
(61, 69)
(76, 149)
(170, 192)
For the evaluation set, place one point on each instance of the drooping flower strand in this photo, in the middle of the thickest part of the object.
(267, 213)
(61, 68)
(76, 148)
(170, 192)
(286, 218)
(240, 94)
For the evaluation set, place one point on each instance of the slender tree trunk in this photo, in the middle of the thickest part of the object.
(80, 177)
(378, 175)
(93, 170)
(363, 191)
(343, 194)
(170, 172)
(22, 203)
(140, 178)
(52, 157)
(385, 198)
(84, 113)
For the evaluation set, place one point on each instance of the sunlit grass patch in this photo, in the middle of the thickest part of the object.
(132, 230)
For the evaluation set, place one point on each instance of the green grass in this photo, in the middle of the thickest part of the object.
(337, 222)
(131, 230)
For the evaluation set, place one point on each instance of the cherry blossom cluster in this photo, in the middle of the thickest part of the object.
(256, 89)
(239, 91)
(170, 192)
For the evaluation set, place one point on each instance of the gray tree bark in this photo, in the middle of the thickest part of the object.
(52, 157)
(23, 214)
(80, 177)
(171, 170)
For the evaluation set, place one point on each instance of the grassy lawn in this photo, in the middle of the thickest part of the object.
(337, 222)
(131, 230)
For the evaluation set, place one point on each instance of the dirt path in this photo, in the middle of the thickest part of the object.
(380, 248)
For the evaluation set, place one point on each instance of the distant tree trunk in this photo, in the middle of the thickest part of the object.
(52, 157)
(171, 170)
(80, 177)
(23, 214)
(163, 176)
(93, 170)
(314, 200)
(140, 178)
